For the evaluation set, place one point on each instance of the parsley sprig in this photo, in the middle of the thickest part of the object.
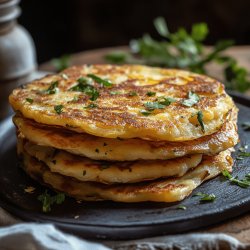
(48, 200)
(29, 100)
(183, 49)
(52, 89)
(58, 109)
(151, 106)
(191, 100)
(104, 82)
(85, 87)
(244, 183)
(200, 120)
(206, 197)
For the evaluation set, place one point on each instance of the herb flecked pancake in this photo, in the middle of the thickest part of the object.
(85, 169)
(100, 148)
(165, 190)
(129, 101)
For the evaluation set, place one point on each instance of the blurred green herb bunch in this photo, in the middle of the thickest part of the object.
(184, 50)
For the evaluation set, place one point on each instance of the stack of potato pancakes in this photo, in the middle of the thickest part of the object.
(126, 133)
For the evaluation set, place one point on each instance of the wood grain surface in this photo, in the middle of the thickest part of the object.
(237, 227)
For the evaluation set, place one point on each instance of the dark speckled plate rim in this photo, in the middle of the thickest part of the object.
(133, 231)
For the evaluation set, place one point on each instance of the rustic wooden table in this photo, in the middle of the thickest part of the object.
(238, 227)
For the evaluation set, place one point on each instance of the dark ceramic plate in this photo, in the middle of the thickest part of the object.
(123, 221)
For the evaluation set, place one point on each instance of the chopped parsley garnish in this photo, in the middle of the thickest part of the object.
(244, 183)
(29, 100)
(58, 109)
(200, 120)
(154, 105)
(182, 207)
(83, 82)
(244, 154)
(150, 93)
(132, 93)
(84, 172)
(85, 87)
(61, 63)
(99, 80)
(145, 113)
(52, 88)
(165, 100)
(192, 99)
(48, 200)
(206, 197)
(91, 106)
(246, 125)
(161, 103)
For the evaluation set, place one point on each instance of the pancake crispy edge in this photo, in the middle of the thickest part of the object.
(84, 169)
(168, 190)
(99, 148)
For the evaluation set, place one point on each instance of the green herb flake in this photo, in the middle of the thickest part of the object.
(145, 113)
(99, 80)
(58, 109)
(182, 207)
(52, 89)
(85, 87)
(244, 183)
(48, 200)
(246, 125)
(84, 172)
(206, 197)
(165, 100)
(91, 106)
(150, 93)
(192, 99)
(200, 120)
(132, 93)
(29, 100)
(153, 105)
(244, 154)
(190, 53)
(61, 63)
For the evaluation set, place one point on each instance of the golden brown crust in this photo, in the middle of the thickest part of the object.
(127, 149)
(85, 169)
(166, 190)
(119, 115)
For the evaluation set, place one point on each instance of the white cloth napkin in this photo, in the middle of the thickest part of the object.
(33, 236)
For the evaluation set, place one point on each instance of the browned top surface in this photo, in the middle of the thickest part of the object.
(119, 114)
